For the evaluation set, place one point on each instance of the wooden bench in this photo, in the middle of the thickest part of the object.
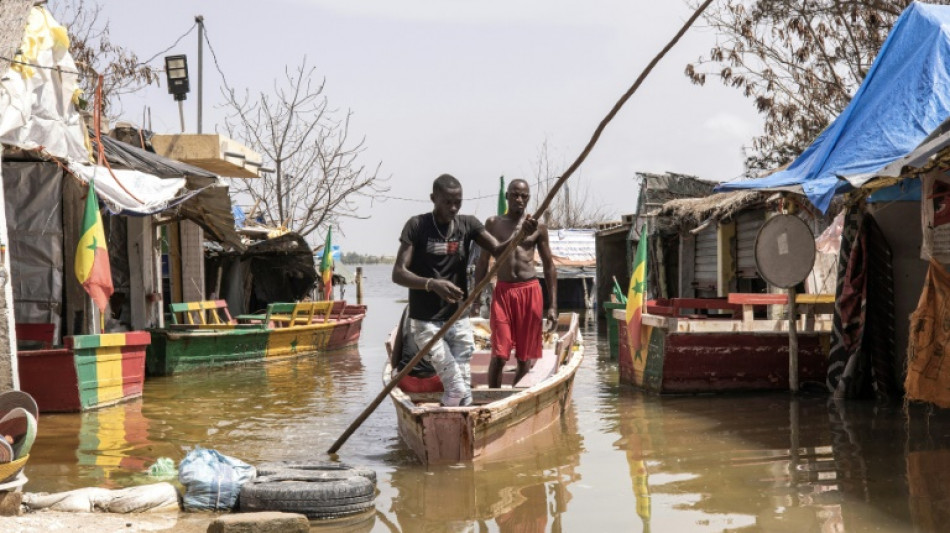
(301, 313)
(808, 305)
(208, 314)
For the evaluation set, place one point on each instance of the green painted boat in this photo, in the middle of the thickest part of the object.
(203, 334)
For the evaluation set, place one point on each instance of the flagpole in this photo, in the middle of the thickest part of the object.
(520, 236)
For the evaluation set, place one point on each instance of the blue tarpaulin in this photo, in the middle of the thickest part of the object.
(905, 96)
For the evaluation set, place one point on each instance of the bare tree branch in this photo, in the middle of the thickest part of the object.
(799, 61)
(318, 174)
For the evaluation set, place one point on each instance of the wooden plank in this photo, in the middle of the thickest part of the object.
(757, 298)
(815, 299)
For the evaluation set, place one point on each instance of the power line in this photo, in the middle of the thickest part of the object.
(217, 66)
(178, 40)
(34, 65)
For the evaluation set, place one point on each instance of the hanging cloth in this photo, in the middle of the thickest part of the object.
(927, 378)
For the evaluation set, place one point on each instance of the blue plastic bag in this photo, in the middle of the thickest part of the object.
(212, 480)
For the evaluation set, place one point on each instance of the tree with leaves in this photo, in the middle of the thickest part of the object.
(800, 61)
(95, 54)
(317, 171)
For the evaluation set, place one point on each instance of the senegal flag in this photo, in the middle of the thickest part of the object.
(326, 267)
(636, 294)
(92, 257)
(502, 201)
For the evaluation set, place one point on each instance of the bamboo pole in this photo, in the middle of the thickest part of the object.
(513, 245)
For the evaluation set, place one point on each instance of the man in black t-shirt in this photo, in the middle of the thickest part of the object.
(431, 262)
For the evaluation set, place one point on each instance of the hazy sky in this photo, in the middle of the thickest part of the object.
(464, 87)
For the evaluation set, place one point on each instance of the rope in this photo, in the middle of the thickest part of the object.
(102, 161)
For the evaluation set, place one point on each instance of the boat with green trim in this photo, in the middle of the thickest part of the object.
(88, 372)
(204, 335)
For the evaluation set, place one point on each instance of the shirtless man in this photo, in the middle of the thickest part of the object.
(517, 302)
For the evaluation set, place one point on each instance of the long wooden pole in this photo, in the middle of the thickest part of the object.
(502, 259)
(792, 341)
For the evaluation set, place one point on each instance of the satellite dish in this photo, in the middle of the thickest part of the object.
(784, 251)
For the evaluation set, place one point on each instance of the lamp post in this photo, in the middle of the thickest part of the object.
(176, 71)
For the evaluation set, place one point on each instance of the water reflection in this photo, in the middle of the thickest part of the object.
(619, 460)
(525, 492)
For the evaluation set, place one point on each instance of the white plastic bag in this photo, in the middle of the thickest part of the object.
(212, 480)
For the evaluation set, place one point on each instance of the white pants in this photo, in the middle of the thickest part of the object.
(451, 357)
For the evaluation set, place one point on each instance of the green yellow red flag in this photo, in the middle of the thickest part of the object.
(502, 201)
(92, 256)
(326, 267)
(636, 294)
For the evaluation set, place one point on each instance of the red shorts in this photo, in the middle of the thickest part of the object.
(516, 320)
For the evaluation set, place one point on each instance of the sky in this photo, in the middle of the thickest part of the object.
(469, 88)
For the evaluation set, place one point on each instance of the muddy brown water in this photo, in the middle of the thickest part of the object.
(619, 461)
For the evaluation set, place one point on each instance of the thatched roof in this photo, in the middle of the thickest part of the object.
(692, 212)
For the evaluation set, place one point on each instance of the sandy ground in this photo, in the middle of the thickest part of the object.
(44, 521)
(51, 521)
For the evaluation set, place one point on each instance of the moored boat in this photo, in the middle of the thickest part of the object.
(498, 417)
(88, 372)
(203, 334)
(724, 344)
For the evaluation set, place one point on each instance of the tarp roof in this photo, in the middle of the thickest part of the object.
(904, 97)
(37, 110)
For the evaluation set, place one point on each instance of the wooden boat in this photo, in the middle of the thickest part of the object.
(88, 372)
(499, 417)
(723, 345)
(495, 489)
(203, 334)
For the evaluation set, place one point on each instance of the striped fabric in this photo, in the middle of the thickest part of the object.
(861, 362)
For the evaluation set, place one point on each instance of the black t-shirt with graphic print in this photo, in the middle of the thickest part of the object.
(439, 252)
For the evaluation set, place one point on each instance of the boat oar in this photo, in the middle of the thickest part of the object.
(463, 308)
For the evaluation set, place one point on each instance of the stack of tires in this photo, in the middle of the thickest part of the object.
(318, 489)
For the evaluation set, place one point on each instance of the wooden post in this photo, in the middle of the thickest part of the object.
(359, 285)
(792, 342)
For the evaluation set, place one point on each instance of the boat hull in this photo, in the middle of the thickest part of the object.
(176, 351)
(500, 418)
(445, 435)
(676, 363)
(90, 372)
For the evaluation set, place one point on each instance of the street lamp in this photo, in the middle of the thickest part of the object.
(176, 70)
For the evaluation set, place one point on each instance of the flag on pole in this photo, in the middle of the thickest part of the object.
(92, 256)
(326, 267)
(502, 201)
(636, 294)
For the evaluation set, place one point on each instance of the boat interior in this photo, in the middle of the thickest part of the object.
(557, 349)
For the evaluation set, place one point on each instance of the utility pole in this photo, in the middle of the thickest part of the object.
(200, 20)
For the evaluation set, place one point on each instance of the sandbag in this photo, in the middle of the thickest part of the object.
(157, 497)
(212, 480)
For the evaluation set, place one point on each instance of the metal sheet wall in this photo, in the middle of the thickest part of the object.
(747, 227)
(33, 198)
(706, 259)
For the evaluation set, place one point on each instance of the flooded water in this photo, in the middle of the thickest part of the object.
(619, 461)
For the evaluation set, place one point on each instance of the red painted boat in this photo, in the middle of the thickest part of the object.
(723, 345)
(88, 372)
